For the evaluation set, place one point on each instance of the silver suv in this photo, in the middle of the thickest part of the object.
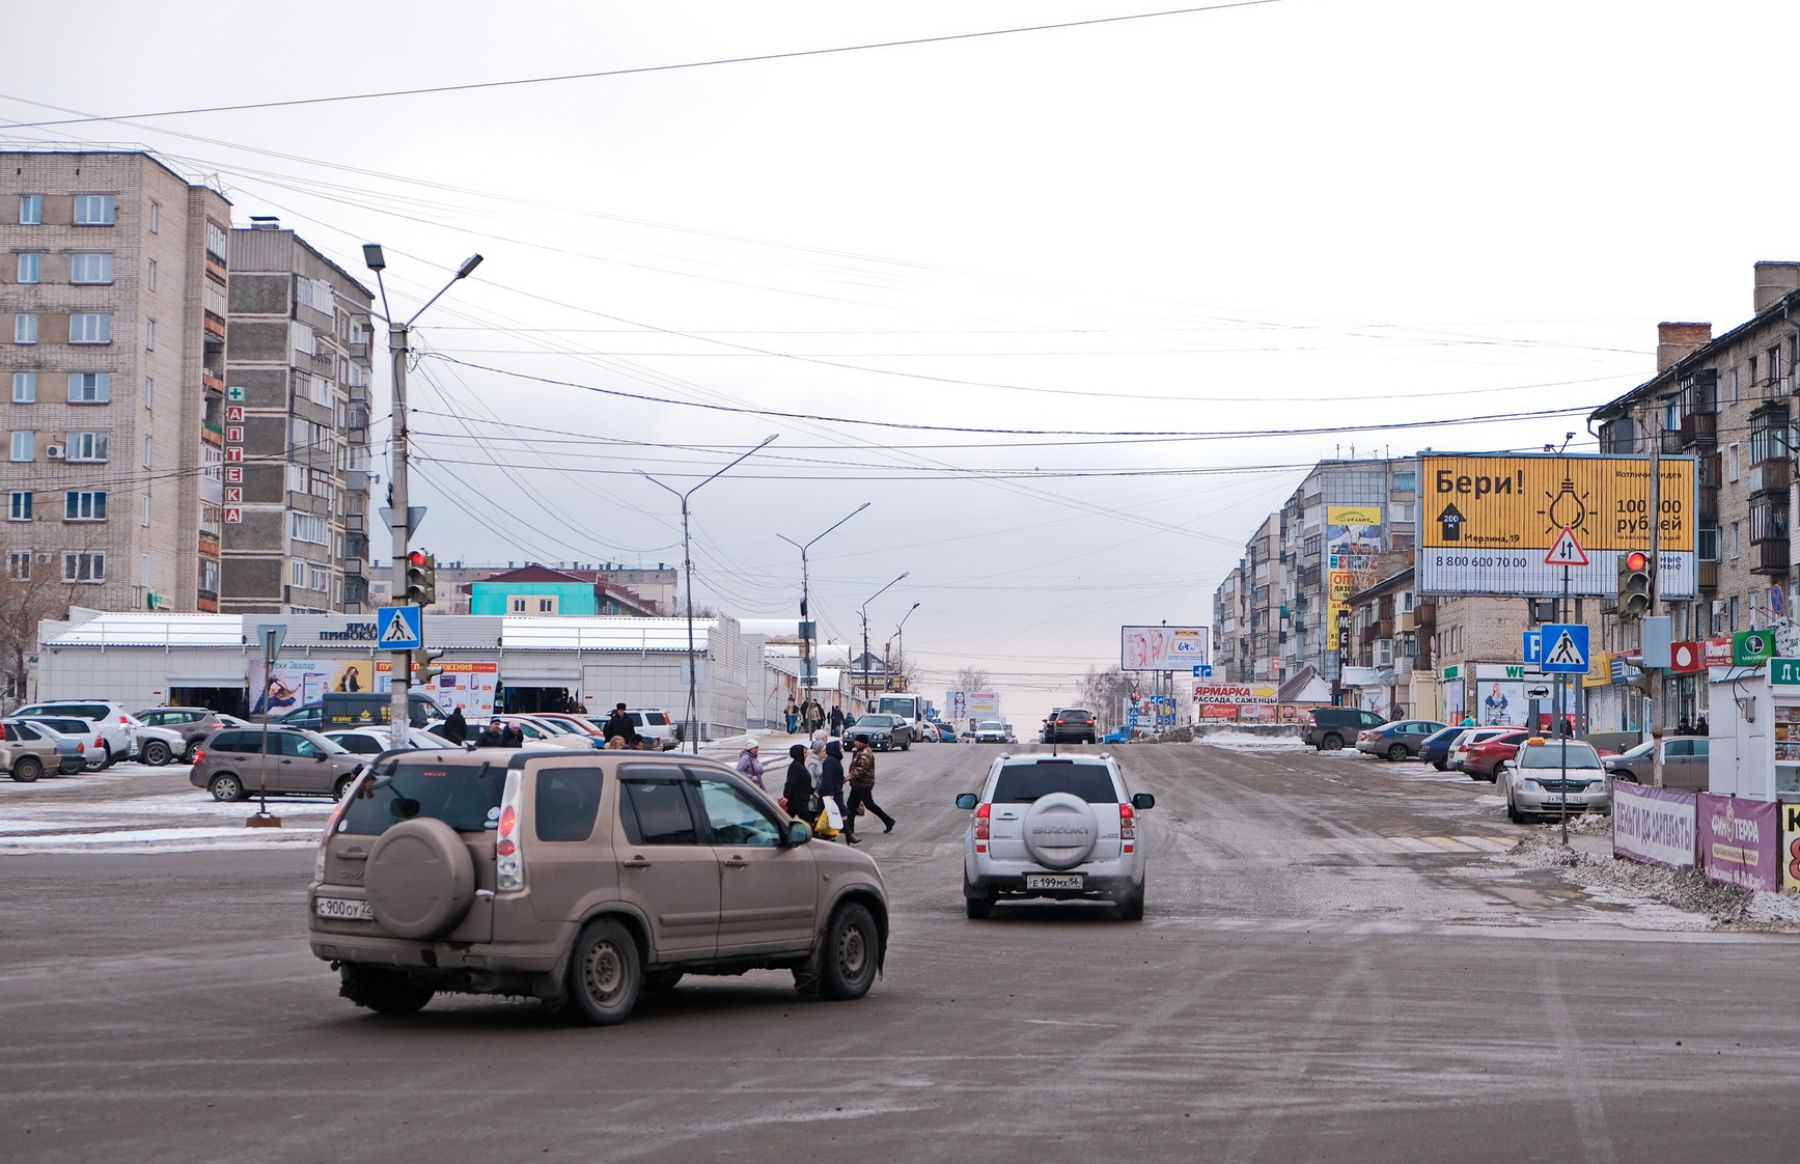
(1062, 827)
(581, 879)
(232, 764)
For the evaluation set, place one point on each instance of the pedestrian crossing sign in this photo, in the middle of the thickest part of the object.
(1565, 648)
(400, 628)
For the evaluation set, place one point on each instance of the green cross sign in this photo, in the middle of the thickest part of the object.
(234, 394)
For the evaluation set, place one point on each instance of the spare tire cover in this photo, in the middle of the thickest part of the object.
(1060, 830)
(420, 879)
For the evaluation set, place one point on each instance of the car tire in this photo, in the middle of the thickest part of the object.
(226, 788)
(1513, 814)
(907, 746)
(1473, 775)
(978, 908)
(1131, 908)
(1397, 753)
(27, 769)
(383, 991)
(1440, 765)
(1331, 742)
(187, 752)
(342, 786)
(108, 761)
(605, 975)
(661, 979)
(852, 953)
(155, 753)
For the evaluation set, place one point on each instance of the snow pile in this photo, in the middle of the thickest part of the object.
(1251, 742)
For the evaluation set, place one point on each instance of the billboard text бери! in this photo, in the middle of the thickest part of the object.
(1163, 648)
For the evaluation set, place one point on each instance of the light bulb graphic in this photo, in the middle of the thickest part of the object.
(1566, 509)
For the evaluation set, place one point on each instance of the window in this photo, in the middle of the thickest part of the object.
(1753, 380)
(90, 328)
(1768, 518)
(464, 796)
(735, 818)
(24, 446)
(1731, 461)
(96, 210)
(297, 574)
(518, 606)
(84, 567)
(318, 578)
(90, 387)
(25, 330)
(31, 267)
(150, 275)
(1768, 435)
(546, 605)
(655, 812)
(155, 217)
(31, 209)
(21, 507)
(148, 459)
(143, 569)
(24, 388)
(567, 800)
(18, 565)
(217, 245)
(1733, 545)
(84, 505)
(1709, 545)
(209, 576)
(146, 518)
(1731, 385)
(305, 527)
(86, 446)
(1774, 364)
(92, 267)
(1733, 609)
(149, 335)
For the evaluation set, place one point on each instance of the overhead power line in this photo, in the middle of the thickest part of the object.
(713, 62)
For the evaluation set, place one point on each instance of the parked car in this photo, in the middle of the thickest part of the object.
(1535, 784)
(946, 734)
(1436, 748)
(28, 750)
(990, 731)
(192, 724)
(155, 746)
(1071, 725)
(1062, 827)
(93, 744)
(652, 723)
(1483, 759)
(376, 740)
(1459, 748)
(1397, 740)
(1119, 735)
(1685, 760)
(110, 719)
(884, 731)
(582, 881)
(1330, 728)
(232, 764)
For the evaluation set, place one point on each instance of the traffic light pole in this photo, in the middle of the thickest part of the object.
(399, 518)
(1655, 676)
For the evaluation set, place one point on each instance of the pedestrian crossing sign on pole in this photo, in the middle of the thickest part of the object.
(1567, 551)
(402, 628)
(1565, 648)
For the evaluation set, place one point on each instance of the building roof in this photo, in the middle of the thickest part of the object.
(1782, 308)
(92, 628)
(602, 583)
(88, 628)
(604, 633)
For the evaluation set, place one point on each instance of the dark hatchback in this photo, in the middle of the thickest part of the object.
(1436, 748)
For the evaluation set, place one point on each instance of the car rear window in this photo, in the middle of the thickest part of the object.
(656, 719)
(1024, 783)
(464, 796)
(1074, 713)
(567, 799)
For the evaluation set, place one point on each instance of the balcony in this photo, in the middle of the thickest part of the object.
(214, 324)
(1772, 476)
(209, 544)
(1709, 508)
(1770, 557)
(215, 268)
(1699, 428)
(212, 433)
(1709, 575)
(211, 382)
(1672, 442)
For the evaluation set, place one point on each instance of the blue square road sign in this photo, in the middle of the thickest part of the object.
(400, 628)
(1565, 649)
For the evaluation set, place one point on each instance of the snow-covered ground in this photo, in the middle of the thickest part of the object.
(1252, 742)
(136, 812)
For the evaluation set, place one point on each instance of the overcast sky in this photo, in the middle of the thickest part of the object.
(1301, 214)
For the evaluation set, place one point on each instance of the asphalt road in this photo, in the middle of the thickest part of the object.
(1335, 965)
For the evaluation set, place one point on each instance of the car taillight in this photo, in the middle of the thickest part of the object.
(509, 862)
(1060, 723)
(1128, 826)
(80, 747)
(981, 827)
(199, 755)
(125, 719)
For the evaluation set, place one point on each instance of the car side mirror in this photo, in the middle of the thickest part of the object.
(319, 757)
(966, 800)
(1143, 800)
(798, 832)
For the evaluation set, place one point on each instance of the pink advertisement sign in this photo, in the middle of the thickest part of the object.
(1740, 841)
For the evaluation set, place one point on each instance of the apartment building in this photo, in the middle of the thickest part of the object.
(1248, 609)
(295, 431)
(114, 272)
(1728, 401)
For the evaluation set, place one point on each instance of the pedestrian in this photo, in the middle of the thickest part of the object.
(793, 716)
(750, 766)
(456, 728)
(492, 736)
(837, 720)
(815, 768)
(1468, 721)
(1684, 728)
(818, 717)
(515, 736)
(796, 789)
(862, 788)
(1701, 727)
(831, 784)
(619, 724)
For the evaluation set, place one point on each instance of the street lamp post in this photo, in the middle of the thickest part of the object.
(806, 634)
(687, 564)
(865, 626)
(900, 634)
(400, 520)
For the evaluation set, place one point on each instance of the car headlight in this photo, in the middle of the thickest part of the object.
(1529, 785)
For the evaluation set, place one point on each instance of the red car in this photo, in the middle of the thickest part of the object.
(1486, 756)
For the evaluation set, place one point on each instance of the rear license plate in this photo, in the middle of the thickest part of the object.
(342, 907)
(1055, 880)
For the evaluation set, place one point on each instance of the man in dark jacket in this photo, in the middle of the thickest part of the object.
(837, 720)
(456, 728)
(862, 788)
(492, 736)
(831, 783)
(619, 724)
(797, 788)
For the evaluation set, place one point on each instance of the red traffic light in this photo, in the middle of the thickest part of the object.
(417, 558)
(1637, 560)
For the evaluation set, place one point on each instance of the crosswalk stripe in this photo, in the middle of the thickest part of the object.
(1450, 844)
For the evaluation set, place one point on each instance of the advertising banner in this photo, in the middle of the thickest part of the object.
(1219, 711)
(984, 704)
(1740, 841)
(956, 704)
(291, 683)
(1790, 847)
(470, 686)
(1163, 648)
(1486, 523)
(1653, 825)
(1235, 693)
(1354, 541)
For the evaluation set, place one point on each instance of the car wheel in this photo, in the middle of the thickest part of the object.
(342, 786)
(1512, 813)
(226, 787)
(1132, 907)
(1440, 765)
(28, 769)
(187, 753)
(1397, 753)
(1331, 743)
(155, 753)
(661, 979)
(907, 746)
(1471, 774)
(108, 761)
(852, 952)
(383, 991)
(605, 975)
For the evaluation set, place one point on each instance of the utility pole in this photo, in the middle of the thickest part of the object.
(1654, 677)
(401, 520)
(865, 627)
(808, 629)
(687, 564)
(900, 634)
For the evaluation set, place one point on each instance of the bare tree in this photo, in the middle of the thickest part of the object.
(1104, 691)
(24, 602)
(972, 679)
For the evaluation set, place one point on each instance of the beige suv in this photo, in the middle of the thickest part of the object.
(581, 880)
